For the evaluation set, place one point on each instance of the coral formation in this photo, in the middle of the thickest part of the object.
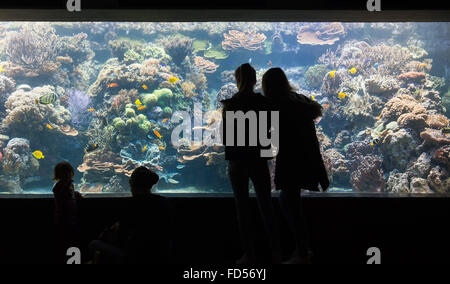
(315, 74)
(205, 65)
(236, 39)
(368, 175)
(328, 34)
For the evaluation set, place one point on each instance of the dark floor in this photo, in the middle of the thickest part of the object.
(406, 230)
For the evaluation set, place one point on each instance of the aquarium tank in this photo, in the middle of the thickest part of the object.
(104, 97)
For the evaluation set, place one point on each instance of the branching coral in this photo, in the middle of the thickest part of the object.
(205, 65)
(248, 40)
(178, 47)
(326, 35)
(34, 48)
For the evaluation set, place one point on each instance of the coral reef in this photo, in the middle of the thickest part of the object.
(397, 148)
(236, 39)
(32, 50)
(368, 175)
(225, 92)
(18, 161)
(397, 182)
(419, 185)
(315, 74)
(434, 137)
(442, 156)
(26, 118)
(6, 84)
(205, 65)
(439, 180)
(328, 34)
(178, 47)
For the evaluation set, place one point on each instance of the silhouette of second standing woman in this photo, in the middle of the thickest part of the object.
(299, 163)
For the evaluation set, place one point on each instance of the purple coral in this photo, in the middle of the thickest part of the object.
(78, 105)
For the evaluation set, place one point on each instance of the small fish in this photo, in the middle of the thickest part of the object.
(352, 71)
(180, 167)
(91, 109)
(145, 87)
(173, 80)
(112, 85)
(90, 148)
(342, 95)
(376, 65)
(38, 155)
(47, 99)
(162, 64)
(138, 102)
(422, 65)
(378, 118)
(250, 60)
(367, 61)
(165, 119)
(162, 148)
(142, 107)
(2, 69)
(157, 134)
(49, 126)
(269, 63)
(375, 141)
(326, 105)
(144, 148)
(171, 180)
(332, 73)
(312, 98)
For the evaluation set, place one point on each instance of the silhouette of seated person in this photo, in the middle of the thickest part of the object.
(143, 232)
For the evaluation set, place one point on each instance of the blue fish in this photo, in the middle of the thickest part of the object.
(180, 167)
(376, 65)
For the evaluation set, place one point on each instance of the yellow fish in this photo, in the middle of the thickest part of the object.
(144, 148)
(165, 119)
(378, 118)
(342, 95)
(138, 102)
(144, 87)
(142, 107)
(312, 98)
(2, 69)
(173, 80)
(49, 126)
(91, 109)
(162, 148)
(422, 65)
(157, 134)
(353, 70)
(38, 155)
(332, 73)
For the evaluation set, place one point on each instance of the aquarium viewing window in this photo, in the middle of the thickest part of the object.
(103, 96)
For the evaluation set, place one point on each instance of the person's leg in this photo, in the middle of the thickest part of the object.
(260, 177)
(238, 174)
(290, 205)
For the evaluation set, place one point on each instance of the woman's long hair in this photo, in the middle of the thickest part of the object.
(245, 78)
(275, 84)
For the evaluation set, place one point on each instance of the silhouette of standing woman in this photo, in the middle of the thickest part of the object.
(245, 163)
(299, 164)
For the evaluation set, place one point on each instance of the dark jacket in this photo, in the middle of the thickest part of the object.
(245, 102)
(299, 163)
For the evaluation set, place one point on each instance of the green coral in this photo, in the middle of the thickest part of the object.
(144, 127)
(119, 123)
(163, 95)
(315, 74)
(268, 47)
(149, 100)
(438, 83)
(216, 52)
(132, 56)
(156, 52)
(200, 45)
(446, 103)
(167, 111)
(129, 112)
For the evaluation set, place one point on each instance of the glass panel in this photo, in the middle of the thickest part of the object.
(103, 96)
